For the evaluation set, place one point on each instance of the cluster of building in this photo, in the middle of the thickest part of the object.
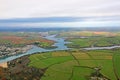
(9, 51)
(44, 34)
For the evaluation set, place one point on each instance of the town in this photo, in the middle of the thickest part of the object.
(9, 51)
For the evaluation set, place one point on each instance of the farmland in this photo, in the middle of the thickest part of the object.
(59, 39)
(73, 34)
(83, 39)
(74, 65)
(18, 39)
(93, 42)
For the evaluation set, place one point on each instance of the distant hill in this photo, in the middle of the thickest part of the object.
(45, 29)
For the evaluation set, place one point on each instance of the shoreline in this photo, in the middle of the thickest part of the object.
(4, 65)
(102, 48)
(14, 51)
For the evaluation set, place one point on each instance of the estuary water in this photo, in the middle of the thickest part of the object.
(99, 48)
(59, 42)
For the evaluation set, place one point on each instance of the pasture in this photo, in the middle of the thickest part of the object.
(93, 42)
(75, 64)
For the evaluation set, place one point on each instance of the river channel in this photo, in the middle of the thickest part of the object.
(59, 43)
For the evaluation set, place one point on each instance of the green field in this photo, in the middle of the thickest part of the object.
(116, 61)
(81, 73)
(76, 64)
(93, 41)
(80, 39)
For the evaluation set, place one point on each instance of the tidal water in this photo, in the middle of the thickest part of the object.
(59, 42)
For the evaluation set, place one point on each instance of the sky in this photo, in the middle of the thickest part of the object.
(61, 13)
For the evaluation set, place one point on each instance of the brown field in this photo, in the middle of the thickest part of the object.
(104, 33)
(81, 56)
(57, 54)
(24, 40)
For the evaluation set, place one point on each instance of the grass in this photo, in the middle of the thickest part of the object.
(93, 41)
(45, 61)
(54, 76)
(79, 43)
(63, 66)
(59, 71)
(81, 73)
(116, 63)
(106, 66)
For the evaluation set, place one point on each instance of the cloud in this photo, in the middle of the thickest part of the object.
(61, 13)
(58, 8)
(65, 24)
(60, 19)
